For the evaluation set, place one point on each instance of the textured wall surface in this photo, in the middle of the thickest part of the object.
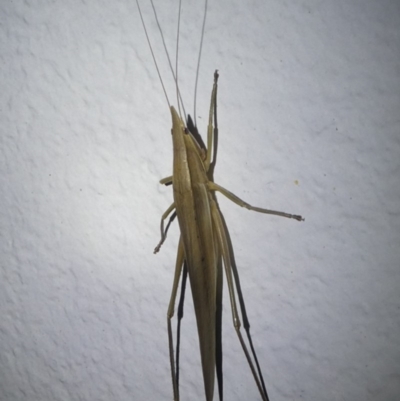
(309, 102)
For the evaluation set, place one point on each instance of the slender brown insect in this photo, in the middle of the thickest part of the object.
(204, 247)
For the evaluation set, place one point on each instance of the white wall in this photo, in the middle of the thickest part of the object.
(309, 123)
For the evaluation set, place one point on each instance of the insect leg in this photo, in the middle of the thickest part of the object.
(223, 244)
(215, 187)
(218, 329)
(180, 316)
(166, 180)
(212, 133)
(178, 269)
(164, 232)
(246, 323)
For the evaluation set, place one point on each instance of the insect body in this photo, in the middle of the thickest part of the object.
(204, 247)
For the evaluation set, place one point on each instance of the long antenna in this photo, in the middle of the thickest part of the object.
(199, 59)
(167, 53)
(152, 53)
(176, 61)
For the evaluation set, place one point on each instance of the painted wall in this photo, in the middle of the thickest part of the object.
(309, 102)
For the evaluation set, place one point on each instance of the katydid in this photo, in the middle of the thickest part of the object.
(204, 246)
